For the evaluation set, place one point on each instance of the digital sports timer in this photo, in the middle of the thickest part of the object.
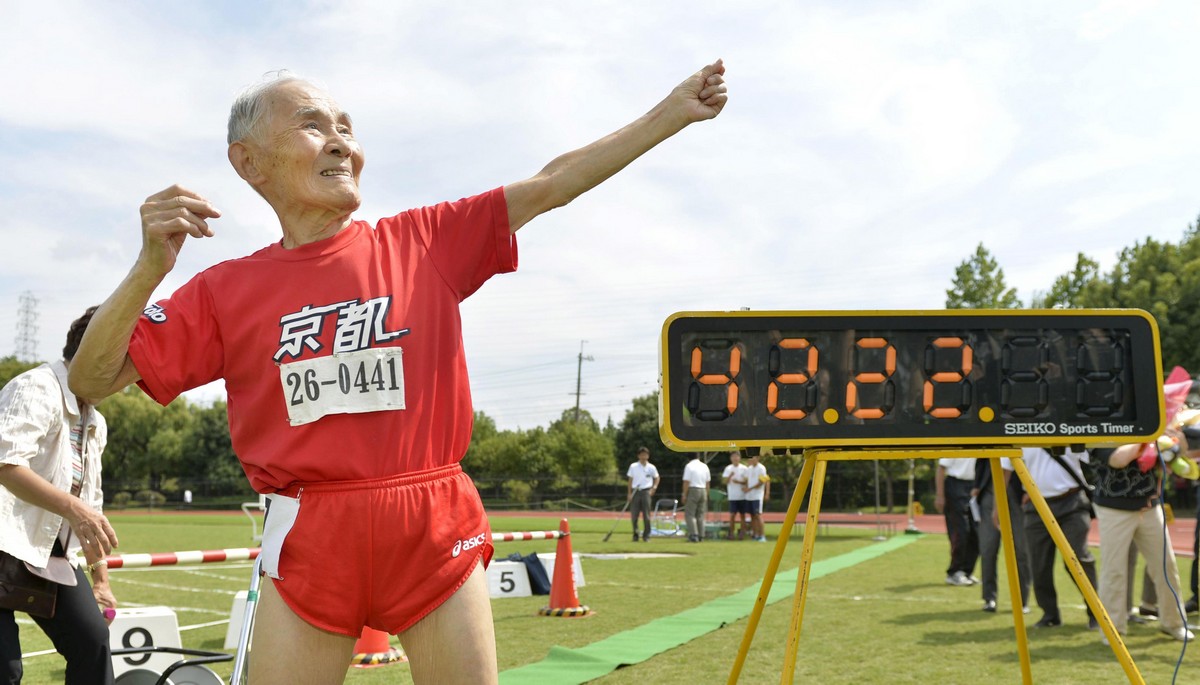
(954, 377)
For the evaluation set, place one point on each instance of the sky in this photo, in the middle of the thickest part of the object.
(866, 149)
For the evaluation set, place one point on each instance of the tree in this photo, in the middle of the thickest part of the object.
(207, 452)
(11, 367)
(1068, 288)
(979, 284)
(144, 439)
(522, 460)
(1163, 279)
(639, 428)
(580, 448)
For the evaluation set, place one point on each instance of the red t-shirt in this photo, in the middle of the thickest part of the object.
(306, 340)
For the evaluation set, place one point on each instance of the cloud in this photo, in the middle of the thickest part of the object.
(865, 152)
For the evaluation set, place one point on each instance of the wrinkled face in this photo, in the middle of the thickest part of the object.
(310, 157)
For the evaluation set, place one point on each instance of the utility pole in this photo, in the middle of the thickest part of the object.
(579, 377)
(26, 339)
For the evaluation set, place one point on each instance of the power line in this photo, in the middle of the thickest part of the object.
(26, 339)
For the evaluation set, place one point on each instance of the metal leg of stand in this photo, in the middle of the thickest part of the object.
(247, 632)
(1000, 492)
(1085, 586)
(810, 541)
(806, 474)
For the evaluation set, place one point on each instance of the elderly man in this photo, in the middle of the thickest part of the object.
(341, 350)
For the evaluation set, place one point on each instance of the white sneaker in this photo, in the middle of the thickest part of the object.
(958, 578)
(1180, 634)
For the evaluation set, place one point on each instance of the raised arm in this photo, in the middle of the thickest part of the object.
(700, 97)
(102, 366)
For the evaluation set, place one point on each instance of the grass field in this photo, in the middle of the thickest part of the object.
(887, 620)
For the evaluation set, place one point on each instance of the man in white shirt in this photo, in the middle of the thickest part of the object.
(954, 480)
(643, 483)
(734, 477)
(1060, 480)
(696, 477)
(757, 487)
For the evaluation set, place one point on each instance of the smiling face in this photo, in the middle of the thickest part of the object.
(307, 157)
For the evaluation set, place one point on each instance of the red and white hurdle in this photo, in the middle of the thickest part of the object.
(183, 558)
(251, 553)
(533, 535)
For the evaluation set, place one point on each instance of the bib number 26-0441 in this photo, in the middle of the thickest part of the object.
(349, 383)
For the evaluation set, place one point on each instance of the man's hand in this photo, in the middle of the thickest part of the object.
(703, 95)
(168, 218)
(939, 503)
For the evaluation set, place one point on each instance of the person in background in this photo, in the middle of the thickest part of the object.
(51, 508)
(984, 493)
(953, 480)
(1059, 478)
(1193, 604)
(643, 483)
(758, 488)
(734, 477)
(696, 477)
(1130, 513)
(1147, 610)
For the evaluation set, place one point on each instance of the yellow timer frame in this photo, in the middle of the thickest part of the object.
(969, 377)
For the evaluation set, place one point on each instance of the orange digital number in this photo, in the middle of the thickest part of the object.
(867, 378)
(728, 379)
(779, 378)
(934, 377)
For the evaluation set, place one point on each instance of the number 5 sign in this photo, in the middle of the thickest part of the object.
(508, 579)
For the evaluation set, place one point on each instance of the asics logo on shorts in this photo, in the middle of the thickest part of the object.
(464, 545)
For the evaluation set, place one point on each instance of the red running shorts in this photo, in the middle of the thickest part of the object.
(381, 553)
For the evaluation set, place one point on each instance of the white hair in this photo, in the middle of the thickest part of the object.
(249, 110)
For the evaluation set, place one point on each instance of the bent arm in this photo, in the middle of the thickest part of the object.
(1124, 455)
(93, 529)
(102, 366)
(700, 97)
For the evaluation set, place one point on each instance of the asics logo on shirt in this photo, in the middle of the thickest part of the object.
(155, 313)
(359, 325)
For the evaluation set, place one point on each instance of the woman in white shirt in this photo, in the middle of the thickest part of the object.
(50, 509)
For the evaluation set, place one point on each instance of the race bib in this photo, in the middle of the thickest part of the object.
(347, 383)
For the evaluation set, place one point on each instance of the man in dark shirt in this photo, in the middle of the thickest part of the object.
(1130, 513)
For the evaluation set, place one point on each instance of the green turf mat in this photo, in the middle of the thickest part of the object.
(564, 666)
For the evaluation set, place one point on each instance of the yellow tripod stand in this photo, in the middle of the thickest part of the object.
(813, 472)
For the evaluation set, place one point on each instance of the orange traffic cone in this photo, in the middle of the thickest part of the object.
(563, 600)
(372, 649)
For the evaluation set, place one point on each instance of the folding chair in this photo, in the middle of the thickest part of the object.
(717, 518)
(664, 521)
